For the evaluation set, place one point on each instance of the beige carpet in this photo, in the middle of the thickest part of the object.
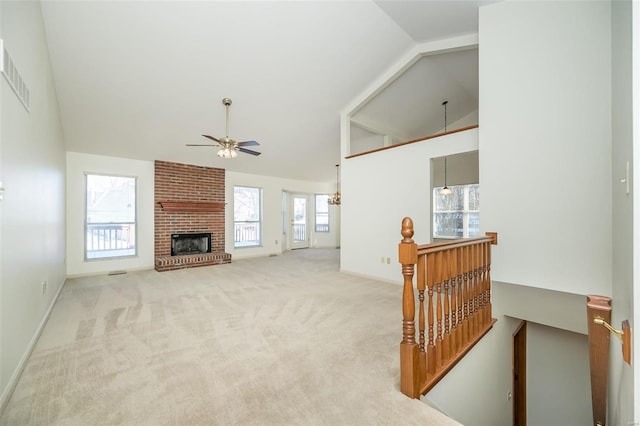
(284, 340)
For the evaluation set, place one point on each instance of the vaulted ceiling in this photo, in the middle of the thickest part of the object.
(142, 79)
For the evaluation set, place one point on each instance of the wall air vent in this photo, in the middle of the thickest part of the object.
(14, 78)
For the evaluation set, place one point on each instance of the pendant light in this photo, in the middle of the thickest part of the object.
(335, 198)
(445, 190)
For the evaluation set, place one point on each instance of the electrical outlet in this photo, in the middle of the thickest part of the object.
(382, 259)
(388, 260)
(44, 286)
(276, 242)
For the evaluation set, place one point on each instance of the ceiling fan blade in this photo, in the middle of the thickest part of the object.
(248, 143)
(212, 138)
(197, 144)
(248, 151)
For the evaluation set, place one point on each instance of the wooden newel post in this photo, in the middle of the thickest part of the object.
(598, 307)
(409, 365)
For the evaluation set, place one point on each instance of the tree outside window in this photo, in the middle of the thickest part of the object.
(110, 216)
(247, 216)
(457, 215)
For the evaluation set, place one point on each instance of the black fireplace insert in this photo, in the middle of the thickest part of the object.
(183, 244)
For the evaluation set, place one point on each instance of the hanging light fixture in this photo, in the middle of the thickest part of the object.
(445, 190)
(335, 198)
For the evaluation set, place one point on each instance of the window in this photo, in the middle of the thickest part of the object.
(322, 213)
(110, 219)
(247, 216)
(457, 215)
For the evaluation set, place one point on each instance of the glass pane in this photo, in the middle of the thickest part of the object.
(299, 210)
(322, 213)
(451, 202)
(111, 199)
(246, 234)
(474, 197)
(110, 240)
(474, 224)
(246, 204)
(299, 219)
(322, 222)
(448, 224)
(322, 203)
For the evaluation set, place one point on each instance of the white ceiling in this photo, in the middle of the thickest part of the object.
(142, 79)
(411, 106)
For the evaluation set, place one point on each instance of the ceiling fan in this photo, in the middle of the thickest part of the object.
(228, 148)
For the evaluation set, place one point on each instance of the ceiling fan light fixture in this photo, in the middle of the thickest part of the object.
(228, 148)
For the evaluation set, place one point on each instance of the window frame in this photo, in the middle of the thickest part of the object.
(465, 211)
(258, 242)
(87, 225)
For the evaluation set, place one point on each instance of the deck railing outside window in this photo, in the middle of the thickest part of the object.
(246, 234)
(113, 240)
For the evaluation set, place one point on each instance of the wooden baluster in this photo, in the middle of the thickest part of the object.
(453, 272)
(465, 277)
(489, 313)
(460, 267)
(409, 365)
(422, 264)
(431, 348)
(446, 349)
(485, 286)
(471, 293)
(474, 291)
(439, 344)
(479, 289)
(480, 295)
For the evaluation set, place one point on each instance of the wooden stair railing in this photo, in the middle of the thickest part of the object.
(456, 277)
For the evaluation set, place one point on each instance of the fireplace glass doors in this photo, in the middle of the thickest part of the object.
(183, 244)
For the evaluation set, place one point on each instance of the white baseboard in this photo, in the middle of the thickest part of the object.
(13, 381)
(92, 274)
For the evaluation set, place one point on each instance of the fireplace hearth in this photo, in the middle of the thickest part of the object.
(185, 244)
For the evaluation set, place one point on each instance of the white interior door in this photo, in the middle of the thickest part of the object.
(299, 222)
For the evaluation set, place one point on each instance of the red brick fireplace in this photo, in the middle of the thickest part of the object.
(188, 200)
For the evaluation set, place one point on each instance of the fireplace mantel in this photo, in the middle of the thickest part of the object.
(191, 206)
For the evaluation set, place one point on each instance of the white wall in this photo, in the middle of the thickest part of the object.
(470, 119)
(363, 140)
(77, 165)
(378, 190)
(558, 381)
(462, 169)
(476, 391)
(621, 374)
(272, 188)
(545, 144)
(33, 209)
(545, 172)
(635, 13)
